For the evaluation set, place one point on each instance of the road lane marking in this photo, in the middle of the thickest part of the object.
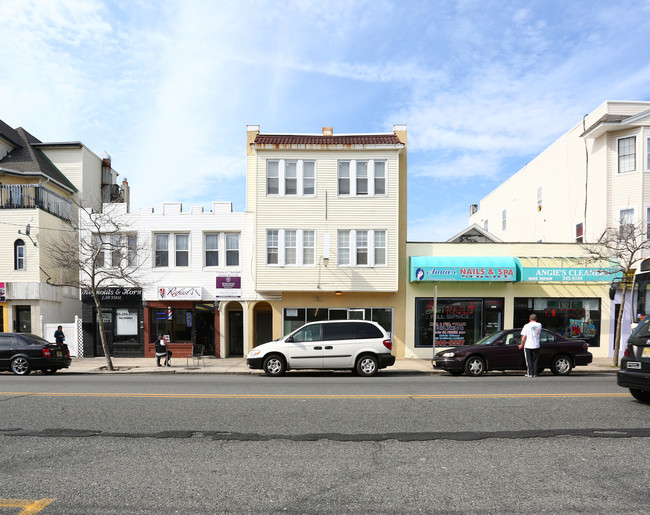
(316, 396)
(28, 506)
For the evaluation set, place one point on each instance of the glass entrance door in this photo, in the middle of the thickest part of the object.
(23, 319)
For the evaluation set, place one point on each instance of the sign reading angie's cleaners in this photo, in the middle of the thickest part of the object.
(570, 274)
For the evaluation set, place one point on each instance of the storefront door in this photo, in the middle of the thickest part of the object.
(235, 333)
(23, 319)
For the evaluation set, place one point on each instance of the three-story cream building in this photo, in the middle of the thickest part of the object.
(330, 227)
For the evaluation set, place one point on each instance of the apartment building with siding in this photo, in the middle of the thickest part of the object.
(330, 226)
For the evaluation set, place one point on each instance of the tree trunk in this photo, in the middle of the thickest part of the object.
(619, 324)
(102, 337)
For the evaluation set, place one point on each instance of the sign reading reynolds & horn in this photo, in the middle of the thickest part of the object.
(113, 294)
(179, 293)
(229, 286)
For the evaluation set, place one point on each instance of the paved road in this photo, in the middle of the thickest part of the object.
(324, 442)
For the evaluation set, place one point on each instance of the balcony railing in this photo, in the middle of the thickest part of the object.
(26, 196)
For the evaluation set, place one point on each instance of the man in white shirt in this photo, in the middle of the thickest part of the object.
(530, 343)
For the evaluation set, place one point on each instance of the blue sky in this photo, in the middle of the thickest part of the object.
(168, 87)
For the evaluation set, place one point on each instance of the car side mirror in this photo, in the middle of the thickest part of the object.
(289, 339)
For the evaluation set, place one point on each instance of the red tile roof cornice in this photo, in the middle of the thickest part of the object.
(316, 139)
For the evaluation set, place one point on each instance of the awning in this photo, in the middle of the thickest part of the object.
(464, 268)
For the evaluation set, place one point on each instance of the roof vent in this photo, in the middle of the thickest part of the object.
(328, 131)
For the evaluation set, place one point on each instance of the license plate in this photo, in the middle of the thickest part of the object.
(634, 364)
(59, 354)
(646, 352)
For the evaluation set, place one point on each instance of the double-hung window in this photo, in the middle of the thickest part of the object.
(272, 247)
(580, 230)
(626, 223)
(308, 177)
(504, 219)
(182, 244)
(132, 249)
(232, 249)
(361, 178)
(293, 247)
(212, 249)
(162, 250)
(98, 249)
(362, 248)
(380, 177)
(272, 177)
(19, 255)
(286, 177)
(627, 154)
(116, 250)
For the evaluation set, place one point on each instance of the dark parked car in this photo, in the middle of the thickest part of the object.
(499, 351)
(635, 365)
(22, 352)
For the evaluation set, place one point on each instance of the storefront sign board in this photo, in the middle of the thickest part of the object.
(570, 275)
(179, 293)
(464, 269)
(3, 292)
(229, 286)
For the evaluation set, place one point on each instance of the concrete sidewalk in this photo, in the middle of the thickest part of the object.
(211, 365)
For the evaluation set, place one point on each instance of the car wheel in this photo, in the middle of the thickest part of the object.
(640, 395)
(561, 366)
(474, 366)
(20, 366)
(274, 366)
(455, 372)
(367, 366)
(48, 371)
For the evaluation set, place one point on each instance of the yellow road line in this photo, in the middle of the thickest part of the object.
(316, 397)
(28, 506)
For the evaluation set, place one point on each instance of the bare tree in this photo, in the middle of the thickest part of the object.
(621, 248)
(103, 251)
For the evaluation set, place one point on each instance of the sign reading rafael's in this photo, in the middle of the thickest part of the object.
(179, 293)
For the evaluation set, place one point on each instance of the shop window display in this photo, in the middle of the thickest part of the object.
(179, 327)
(458, 321)
(572, 318)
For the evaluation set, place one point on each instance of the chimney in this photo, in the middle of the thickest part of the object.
(328, 131)
(126, 195)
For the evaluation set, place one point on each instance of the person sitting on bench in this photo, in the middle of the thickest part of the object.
(162, 351)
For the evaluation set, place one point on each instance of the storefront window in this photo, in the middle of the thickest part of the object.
(458, 321)
(126, 325)
(297, 317)
(572, 318)
(179, 328)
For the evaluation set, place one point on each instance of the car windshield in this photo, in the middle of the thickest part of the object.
(37, 339)
(490, 338)
(643, 329)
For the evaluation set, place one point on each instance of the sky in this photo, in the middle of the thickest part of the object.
(167, 87)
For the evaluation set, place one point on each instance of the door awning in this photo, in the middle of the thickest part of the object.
(464, 269)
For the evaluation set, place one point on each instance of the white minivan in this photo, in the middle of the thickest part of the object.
(359, 345)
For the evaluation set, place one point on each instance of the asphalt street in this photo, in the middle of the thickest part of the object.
(323, 443)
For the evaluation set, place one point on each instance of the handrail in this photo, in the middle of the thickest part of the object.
(26, 196)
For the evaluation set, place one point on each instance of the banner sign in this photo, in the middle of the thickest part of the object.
(3, 292)
(229, 286)
(570, 275)
(179, 293)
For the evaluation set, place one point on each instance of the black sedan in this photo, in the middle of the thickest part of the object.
(22, 352)
(499, 351)
(635, 366)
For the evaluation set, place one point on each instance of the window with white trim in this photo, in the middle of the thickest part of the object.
(212, 249)
(504, 218)
(19, 255)
(364, 247)
(272, 247)
(485, 225)
(627, 154)
(161, 250)
(292, 247)
(290, 177)
(232, 249)
(98, 248)
(361, 178)
(580, 229)
(627, 220)
(539, 198)
(182, 248)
